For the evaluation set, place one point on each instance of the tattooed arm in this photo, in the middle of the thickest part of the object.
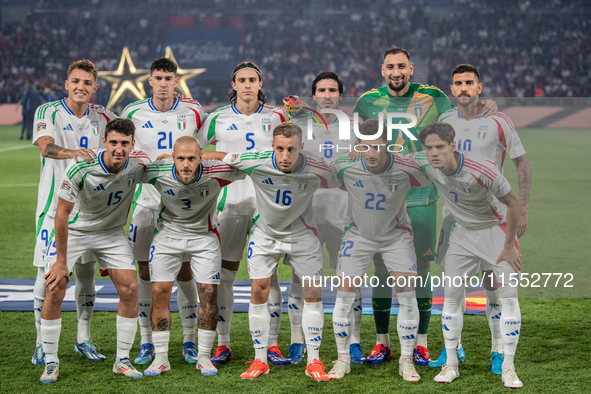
(524, 181)
(48, 148)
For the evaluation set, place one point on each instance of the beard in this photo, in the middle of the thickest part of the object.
(397, 88)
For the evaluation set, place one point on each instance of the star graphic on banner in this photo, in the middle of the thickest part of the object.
(184, 74)
(126, 77)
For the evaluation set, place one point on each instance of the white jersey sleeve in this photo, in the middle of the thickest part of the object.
(189, 210)
(377, 202)
(56, 120)
(233, 131)
(157, 131)
(508, 136)
(469, 194)
(284, 200)
(102, 199)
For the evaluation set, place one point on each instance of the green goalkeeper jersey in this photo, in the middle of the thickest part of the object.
(426, 103)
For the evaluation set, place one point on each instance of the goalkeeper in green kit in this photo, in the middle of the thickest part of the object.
(409, 102)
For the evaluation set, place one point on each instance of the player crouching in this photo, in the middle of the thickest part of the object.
(94, 199)
(187, 231)
(285, 181)
(377, 186)
(481, 239)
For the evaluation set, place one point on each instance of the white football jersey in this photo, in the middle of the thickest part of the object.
(329, 205)
(469, 194)
(56, 120)
(233, 131)
(156, 132)
(284, 201)
(491, 137)
(189, 210)
(377, 202)
(102, 198)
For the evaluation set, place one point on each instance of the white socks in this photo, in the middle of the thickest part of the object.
(186, 300)
(274, 303)
(295, 308)
(407, 323)
(493, 314)
(50, 331)
(126, 329)
(313, 323)
(205, 341)
(85, 295)
(225, 305)
(38, 299)
(144, 294)
(384, 339)
(510, 329)
(342, 320)
(259, 321)
(452, 321)
(357, 311)
(161, 339)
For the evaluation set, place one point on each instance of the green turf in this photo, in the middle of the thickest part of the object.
(551, 354)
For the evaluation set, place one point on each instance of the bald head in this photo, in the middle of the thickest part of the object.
(187, 140)
(186, 155)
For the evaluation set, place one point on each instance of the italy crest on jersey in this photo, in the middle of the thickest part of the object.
(130, 179)
(181, 122)
(204, 190)
(466, 187)
(419, 109)
(302, 183)
(482, 132)
(393, 185)
(95, 127)
(266, 125)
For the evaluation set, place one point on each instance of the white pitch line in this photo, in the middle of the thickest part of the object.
(17, 147)
(20, 185)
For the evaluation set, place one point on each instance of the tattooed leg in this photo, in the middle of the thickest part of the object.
(208, 306)
(160, 311)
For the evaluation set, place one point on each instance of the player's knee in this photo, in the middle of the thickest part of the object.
(128, 291)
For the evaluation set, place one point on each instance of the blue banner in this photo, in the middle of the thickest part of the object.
(213, 49)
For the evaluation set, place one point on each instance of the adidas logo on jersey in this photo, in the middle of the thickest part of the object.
(216, 276)
(358, 184)
(69, 127)
(428, 253)
(147, 125)
(268, 181)
(99, 188)
(232, 127)
(169, 192)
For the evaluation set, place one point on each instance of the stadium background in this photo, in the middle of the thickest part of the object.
(533, 57)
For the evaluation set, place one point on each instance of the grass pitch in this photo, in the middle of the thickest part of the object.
(553, 346)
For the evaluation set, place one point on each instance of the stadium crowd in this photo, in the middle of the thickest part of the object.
(522, 51)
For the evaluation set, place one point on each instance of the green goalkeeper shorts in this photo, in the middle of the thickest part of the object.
(423, 220)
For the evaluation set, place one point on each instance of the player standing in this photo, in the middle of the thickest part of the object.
(242, 126)
(94, 200)
(329, 206)
(482, 239)
(376, 186)
(189, 189)
(67, 129)
(494, 138)
(425, 103)
(160, 120)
